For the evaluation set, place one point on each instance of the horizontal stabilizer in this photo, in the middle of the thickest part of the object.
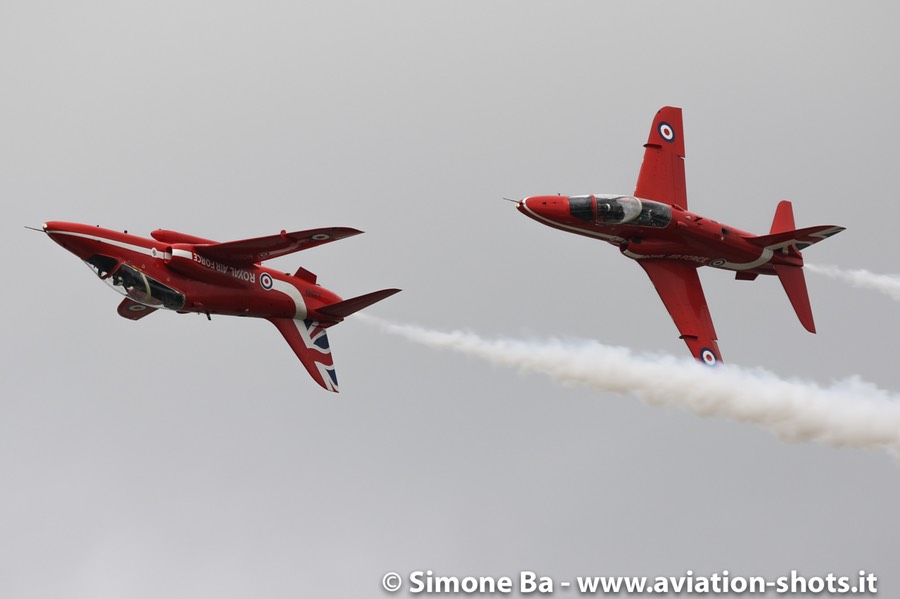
(252, 251)
(345, 308)
(794, 284)
(799, 239)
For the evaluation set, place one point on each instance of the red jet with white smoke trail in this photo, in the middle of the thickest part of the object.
(655, 228)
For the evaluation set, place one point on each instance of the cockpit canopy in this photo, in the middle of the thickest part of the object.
(619, 210)
(134, 284)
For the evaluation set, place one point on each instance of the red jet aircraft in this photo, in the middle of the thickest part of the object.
(655, 228)
(184, 273)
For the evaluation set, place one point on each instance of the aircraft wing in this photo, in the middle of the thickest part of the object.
(132, 310)
(251, 251)
(310, 342)
(662, 171)
(679, 288)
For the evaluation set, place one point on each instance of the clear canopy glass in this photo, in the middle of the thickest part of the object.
(619, 210)
(134, 284)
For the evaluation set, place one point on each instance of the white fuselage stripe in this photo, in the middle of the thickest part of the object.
(126, 246)
(293, 293)
(764, 257)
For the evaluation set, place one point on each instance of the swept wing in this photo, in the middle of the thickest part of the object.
(678, 285)
(252, 251)
(662, 171)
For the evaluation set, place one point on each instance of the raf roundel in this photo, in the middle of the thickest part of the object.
(320, 237)
(265, 280)
(708, 357)
(666, 132)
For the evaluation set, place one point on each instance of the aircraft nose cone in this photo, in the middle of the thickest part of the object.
(545, 207)
(52, 229)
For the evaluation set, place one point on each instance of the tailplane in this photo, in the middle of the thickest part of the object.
(798, 239)
(785, 237)
(341, 310)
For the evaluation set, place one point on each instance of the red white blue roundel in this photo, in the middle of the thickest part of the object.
(320, 237)
(708, 357)
(666, 132)
(265, 280)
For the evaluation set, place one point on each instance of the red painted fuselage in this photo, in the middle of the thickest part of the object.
(672, 233)
(208, 286)
(182, 273)
(654, 228)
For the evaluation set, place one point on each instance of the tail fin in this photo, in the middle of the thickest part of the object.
(309, 341)
(784, 218)
(341, 310)
(794, 284)
(785, 238)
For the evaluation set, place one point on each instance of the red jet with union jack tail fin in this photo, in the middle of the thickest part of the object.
(655, 228)
(183, 273)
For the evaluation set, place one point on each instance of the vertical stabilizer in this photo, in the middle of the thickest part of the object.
(794, 284)
(309, 341)
(784, 218)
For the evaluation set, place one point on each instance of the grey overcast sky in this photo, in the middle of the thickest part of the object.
(180, 458)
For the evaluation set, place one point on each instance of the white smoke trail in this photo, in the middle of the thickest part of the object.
(848, 413)
(889, 284)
